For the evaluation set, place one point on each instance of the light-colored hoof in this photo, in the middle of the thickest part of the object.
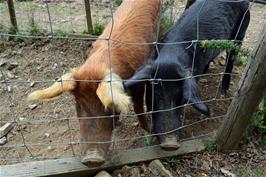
(93, 158)
(170, 143)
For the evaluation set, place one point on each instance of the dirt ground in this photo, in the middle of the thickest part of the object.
(44, 130)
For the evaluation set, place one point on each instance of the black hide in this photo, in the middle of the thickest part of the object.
(204, 20)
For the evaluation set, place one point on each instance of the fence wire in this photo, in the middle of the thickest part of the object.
(49, 119)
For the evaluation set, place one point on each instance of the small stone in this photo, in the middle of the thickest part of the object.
(3, 140)
(66, 148)
(23, 127)
(10, 75)
(211, 65)
(222, 62)
(236, 70)
(157, 169)
(233, 154)
(55, 66)
(135, 124)
(12, 65)
(2, 62)
(227, 173)
(19, 52)
(206, 166)
(127, 171)
(32, 84)
(262, 157)
(254, 151)
(33, 106)
(9, 89)
(49, 148)
(103, 174)
(204, 81)
(232, 83)
(135, 172)
(46, 135)
(223, 55)
(22, 118)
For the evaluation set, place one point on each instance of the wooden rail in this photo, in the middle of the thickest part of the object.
(72, 167)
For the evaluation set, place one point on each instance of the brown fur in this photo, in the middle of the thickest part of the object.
(135, 21)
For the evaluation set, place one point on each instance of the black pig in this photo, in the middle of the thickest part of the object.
(217, 19)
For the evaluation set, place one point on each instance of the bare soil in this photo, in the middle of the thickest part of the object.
(46, 131)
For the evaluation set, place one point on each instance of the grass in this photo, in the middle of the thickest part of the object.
(210, 146)
(149, 140)
(118, 2)
(98, 27)
(247, 171)
(60, 32)
(171, 162)
(2, 6)
(70, 10)
(3, 27)
(257, 120)
(36, 31)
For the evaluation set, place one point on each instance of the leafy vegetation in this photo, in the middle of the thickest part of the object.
(118, 2)
(167, 19)
(98, 27)
(70, 10)
(247, 171)
(210, 146)
(243, 55)
(2, 6)
(36, 31)
(149, 140)
(171, 162)
(60, 32)
(3, 27)
(258, 119)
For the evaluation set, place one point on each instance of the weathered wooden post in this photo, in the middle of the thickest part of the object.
(12, 15)
(251, 90)
(88, 16)
(189, 3)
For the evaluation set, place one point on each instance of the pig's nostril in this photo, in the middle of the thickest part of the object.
(93, 157)
(170, 143)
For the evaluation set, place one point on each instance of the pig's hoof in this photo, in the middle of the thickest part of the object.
(93, 158)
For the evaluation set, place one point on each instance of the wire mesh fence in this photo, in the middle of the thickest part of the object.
(45, 130)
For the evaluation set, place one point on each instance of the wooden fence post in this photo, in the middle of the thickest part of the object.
(264, 109)
(12, 15)
(251, 90)
(88, 16)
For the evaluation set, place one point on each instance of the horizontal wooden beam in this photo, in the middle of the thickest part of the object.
(72, 167)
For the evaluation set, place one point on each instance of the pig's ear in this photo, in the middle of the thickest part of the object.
(145, 72)
(191, 95)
